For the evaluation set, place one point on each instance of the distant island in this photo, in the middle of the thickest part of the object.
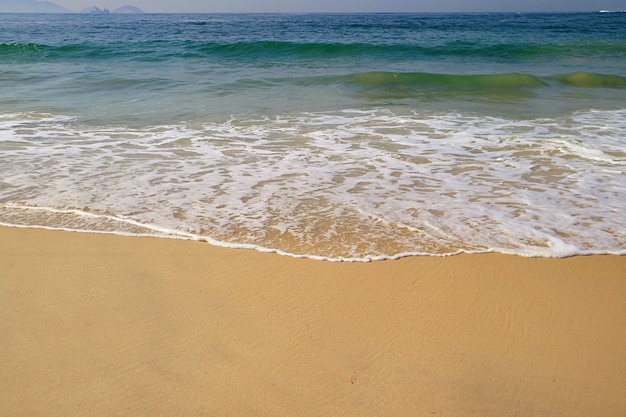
(37, 6)
(95, 10)
(104, 10)
(128, 10)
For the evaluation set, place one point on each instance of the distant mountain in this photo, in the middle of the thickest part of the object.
(30, 6)
(37, 6)
(128, 9)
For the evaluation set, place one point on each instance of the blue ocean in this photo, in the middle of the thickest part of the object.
(330, 136)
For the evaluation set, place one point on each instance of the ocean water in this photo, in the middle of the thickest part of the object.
(343, 137)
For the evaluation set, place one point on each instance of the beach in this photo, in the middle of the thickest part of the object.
(107, 325)
(327, 214)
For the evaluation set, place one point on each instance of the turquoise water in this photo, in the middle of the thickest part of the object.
(351, 136)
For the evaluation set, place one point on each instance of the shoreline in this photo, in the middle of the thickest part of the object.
(101, 325)
(171, 234)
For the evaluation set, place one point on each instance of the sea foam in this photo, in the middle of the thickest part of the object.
(353, 184)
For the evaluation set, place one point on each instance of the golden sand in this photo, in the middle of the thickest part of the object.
(100, 325)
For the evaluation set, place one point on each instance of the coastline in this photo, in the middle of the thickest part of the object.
(105, 325)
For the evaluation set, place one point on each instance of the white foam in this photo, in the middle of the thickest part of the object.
(350, 185)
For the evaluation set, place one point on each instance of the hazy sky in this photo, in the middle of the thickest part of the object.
(164, 6)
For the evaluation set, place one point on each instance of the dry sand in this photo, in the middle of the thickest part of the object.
(98, 325)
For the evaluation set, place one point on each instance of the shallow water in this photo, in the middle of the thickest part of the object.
(332, 136)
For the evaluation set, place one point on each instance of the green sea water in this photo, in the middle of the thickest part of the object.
(345, 136)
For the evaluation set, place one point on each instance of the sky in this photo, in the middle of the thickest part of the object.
(200, 6)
